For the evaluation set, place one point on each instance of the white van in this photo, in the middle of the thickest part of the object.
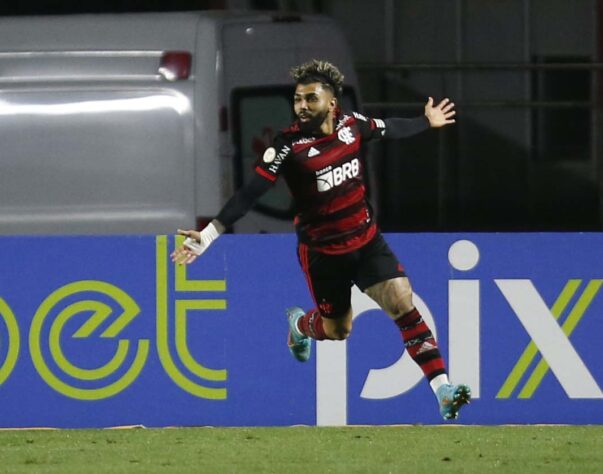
(142, 123)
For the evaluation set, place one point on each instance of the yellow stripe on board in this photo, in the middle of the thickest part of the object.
(530, 352)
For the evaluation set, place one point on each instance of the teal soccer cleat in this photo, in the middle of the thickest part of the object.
(451, 398)
(300, 346)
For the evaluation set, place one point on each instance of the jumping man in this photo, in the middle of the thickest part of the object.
(339, 242)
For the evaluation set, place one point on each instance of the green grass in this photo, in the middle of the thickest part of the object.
(309, 450)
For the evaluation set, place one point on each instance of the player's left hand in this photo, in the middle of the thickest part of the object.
(440, 115)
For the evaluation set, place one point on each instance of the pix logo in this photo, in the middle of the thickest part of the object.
(548, 337)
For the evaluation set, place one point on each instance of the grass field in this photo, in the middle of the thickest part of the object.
(310, 450)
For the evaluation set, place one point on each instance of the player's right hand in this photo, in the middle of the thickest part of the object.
(191, 248)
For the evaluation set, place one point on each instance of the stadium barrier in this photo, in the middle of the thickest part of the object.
(104, 330)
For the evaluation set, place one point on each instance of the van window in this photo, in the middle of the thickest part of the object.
(259, 114)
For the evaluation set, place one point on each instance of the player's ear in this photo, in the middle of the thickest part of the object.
(333, 104)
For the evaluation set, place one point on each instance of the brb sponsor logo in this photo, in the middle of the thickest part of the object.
(83, 310)
(329, 177)
(548, 332)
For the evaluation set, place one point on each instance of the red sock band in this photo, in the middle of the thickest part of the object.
(310, 324)
(420, 344)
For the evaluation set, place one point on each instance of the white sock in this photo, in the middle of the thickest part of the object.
(438, 381)
(299, 333)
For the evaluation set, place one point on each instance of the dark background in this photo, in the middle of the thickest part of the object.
(61, 7)
(526, 152)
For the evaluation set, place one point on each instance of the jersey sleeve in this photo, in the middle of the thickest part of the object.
(270, 164)
(242, 201)
(370, 128)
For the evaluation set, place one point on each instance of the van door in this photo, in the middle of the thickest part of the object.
(94, 156)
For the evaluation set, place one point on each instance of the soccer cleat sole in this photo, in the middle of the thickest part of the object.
(462, 396)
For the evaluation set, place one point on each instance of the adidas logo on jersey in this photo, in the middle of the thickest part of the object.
(313, 152)
(329, 177)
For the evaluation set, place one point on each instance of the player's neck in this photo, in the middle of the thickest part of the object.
(328, 126)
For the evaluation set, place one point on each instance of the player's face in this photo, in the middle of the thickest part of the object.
(312, 104)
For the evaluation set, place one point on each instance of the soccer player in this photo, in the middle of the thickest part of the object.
(339, 241)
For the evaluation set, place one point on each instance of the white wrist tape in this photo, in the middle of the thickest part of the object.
(206, 237)
(193, 245)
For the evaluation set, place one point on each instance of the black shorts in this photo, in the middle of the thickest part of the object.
(330, 277)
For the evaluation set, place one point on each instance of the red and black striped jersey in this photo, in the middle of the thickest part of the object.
(326, 177)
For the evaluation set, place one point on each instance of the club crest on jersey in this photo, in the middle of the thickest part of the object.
(329, 177)
(346, 135)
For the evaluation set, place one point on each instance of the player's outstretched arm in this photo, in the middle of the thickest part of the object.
(196, 242)
(435, 116)
(441, 114)
(396, 127)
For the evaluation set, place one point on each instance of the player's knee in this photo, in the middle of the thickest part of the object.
(403, 301)
(338, 329)
(338, 333)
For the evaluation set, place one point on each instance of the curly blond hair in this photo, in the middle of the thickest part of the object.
(319, 71)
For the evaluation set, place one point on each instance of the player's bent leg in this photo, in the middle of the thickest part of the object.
(303, 327)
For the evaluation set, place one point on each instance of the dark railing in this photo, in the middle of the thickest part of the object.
(509, 67)
(568, 104)
(475, 66)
